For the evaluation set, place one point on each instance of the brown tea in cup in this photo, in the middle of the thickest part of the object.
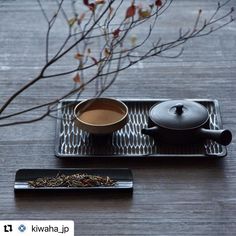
(101, 115)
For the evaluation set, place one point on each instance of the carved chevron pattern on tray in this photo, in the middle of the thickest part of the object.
(73, 142)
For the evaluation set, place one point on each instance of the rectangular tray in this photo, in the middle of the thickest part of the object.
(123, 177)
(129, 142)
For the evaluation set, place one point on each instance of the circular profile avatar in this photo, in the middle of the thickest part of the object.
(22, 228)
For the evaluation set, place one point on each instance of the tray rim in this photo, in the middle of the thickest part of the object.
(135, 156)
(77, 189)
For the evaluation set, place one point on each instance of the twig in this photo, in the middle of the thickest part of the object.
(106, 72)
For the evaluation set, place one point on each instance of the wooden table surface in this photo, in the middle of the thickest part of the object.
(171, 196)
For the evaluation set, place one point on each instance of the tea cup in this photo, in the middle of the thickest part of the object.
(101, 115)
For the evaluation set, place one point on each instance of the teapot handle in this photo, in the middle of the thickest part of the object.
(223, 137)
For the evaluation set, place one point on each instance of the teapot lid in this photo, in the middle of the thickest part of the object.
(179, 114)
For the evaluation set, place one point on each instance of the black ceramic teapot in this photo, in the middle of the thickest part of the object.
(183, 121)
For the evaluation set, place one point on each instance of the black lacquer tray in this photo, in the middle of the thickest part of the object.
(129, 142)
(123, 178)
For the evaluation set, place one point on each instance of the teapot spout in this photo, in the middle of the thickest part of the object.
(150, 131)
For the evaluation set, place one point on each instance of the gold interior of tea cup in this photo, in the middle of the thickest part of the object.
(101, 115)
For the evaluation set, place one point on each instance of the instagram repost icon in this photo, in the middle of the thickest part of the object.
(7, 228)
(22, 228)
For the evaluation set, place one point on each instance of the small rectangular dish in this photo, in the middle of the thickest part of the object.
(123, 179)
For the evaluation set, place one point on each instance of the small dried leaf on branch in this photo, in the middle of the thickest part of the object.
(86, 2)
(158, 3)
(94, 60)
(91, 6)
(107, 52)
(111, 9)
(130, 11)
(116, 33)
(78, 56)
(100, 2)
(72, 21)
(77, 78)
(143, 13)
(80, 19)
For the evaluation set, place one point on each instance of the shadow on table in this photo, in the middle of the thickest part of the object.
(145, 163)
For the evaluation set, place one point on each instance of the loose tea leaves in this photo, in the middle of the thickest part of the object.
(75, 180)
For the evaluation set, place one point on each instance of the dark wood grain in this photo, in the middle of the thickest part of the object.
(171, 196)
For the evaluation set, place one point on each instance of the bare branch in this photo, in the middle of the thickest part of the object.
(111, 32)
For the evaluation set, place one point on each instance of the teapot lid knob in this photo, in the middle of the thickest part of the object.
(179, 108)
